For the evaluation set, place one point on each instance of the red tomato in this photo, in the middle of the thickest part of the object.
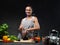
(37, 39)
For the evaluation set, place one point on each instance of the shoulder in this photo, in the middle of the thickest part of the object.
(34, 17)
(24, 19)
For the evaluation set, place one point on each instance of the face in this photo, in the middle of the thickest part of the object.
(28, 11)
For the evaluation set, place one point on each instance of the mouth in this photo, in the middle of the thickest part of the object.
(28, 13)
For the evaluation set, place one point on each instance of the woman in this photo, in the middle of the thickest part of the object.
(29, 24)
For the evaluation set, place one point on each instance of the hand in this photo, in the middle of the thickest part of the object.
(24, 32)
(28, 29)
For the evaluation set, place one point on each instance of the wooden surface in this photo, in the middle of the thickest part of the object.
(1, 40)
(25, 41)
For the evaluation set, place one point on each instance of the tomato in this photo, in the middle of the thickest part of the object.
(37, 39)
(5, 38)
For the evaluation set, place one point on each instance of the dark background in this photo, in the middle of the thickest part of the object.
(47, 12)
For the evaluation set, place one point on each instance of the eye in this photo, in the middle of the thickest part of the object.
(28, 10)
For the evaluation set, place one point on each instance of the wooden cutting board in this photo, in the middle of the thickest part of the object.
(25, 41)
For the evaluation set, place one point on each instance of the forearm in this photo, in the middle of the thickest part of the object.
(20, 28)
(35, 28)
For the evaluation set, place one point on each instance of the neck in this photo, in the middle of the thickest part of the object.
(29, 16)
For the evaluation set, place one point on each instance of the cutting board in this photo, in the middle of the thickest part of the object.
(25, 41)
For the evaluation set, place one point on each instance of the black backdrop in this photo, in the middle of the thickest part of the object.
(47, 11)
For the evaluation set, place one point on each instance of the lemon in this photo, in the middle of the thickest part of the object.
(8, 39)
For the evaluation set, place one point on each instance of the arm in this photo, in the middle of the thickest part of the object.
(20, 27)
(36, 25)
